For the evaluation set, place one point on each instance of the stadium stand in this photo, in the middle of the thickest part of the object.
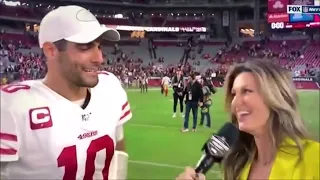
(21, 58)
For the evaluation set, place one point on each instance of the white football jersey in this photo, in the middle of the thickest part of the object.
(165, 80)
(45, 136)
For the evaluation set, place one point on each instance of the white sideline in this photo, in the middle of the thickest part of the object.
(164, 165)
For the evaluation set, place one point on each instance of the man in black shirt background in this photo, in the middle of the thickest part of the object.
(178, 87)
(194, 98)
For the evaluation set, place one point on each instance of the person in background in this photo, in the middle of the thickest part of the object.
(273, 141)
(178, 86)
(4, 81)
(208, 82)
(205, 108)
(194, 98)
(146, 79)
(207, 88)
(161, 89)
(165, 84)
(143, 83)
(125, 80)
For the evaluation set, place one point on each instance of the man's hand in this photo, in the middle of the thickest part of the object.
(119, 165)
(190, 174)
(120, 146)
(200, 104)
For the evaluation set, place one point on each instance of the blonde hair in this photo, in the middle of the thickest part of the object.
(277, 88)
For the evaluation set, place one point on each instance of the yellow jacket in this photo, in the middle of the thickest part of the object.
(285, 165)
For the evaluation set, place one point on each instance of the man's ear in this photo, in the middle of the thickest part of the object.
(50, 50)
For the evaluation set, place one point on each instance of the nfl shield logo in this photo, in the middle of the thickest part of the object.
(305, 9)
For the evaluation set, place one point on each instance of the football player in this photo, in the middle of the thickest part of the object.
(68, 125)
(165, 84)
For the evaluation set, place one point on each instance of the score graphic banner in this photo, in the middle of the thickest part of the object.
(301, 17)
(298, 14)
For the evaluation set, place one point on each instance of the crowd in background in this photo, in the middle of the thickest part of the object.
(16, 66)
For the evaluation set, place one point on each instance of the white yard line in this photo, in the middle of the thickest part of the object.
(146, 125)
(164, 165)
(156, 164)
(159, 164)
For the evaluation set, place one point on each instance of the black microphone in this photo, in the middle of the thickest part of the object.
(215, 149)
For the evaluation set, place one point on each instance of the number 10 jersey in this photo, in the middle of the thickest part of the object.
(45, 136)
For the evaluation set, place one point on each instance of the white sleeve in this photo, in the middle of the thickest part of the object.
(125, 106)
(119, 165)
(9, 144)
(123, 103)
(119, 133)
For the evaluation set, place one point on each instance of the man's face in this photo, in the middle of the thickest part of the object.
(79, 63)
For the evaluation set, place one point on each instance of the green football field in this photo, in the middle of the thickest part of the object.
(158, 150)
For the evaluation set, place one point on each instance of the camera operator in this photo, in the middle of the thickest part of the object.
(208, 82)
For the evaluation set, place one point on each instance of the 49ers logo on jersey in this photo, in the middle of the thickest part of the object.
(40, 118)
(87, 134)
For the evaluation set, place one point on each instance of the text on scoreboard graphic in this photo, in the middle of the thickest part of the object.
(297, 9)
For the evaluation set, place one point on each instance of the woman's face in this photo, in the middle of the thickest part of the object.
(247, 105)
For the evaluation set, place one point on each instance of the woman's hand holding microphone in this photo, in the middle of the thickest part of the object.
(190, 174)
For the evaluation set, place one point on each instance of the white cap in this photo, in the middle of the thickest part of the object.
(74, 24)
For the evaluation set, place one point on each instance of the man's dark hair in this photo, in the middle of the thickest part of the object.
(193, 76)
(61, 45)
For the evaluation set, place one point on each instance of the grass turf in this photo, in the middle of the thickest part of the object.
(158, 150)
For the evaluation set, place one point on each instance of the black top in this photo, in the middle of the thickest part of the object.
(178, 85)
(195, 89)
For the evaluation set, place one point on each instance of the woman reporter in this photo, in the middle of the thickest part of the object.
(273, 142)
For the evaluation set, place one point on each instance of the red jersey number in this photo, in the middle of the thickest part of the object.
(68, 159)
(12, 88)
